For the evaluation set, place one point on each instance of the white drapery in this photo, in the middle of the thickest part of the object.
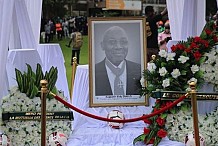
(34, 8)
(16, 31)
(187, 18)
(25, 33)
(6, 10)
(26, 24)
(174, 8)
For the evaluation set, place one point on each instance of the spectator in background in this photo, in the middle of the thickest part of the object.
(53, 31)
(71, 25)
(77, 42)
(152, 40)
(58, 27)
(47, 32)
(65, 28)
(160, 26)
(164, 37)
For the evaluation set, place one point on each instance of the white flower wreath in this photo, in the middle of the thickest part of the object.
(210, 67)
(29, 132)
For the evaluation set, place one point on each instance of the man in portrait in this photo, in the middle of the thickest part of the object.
(115, 75)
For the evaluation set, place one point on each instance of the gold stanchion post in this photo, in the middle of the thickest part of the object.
(194, 112)
(73, 76)
(43, 111)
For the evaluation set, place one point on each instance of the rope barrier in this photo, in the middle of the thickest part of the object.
(144, 117)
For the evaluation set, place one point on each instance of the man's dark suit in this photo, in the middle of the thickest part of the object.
(102, 84)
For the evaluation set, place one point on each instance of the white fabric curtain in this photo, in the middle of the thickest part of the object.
(34, 8)
(6, 10)
(175, 13)
(15, 42)
(24, 25)
(201, 15)
(17, 31)
(187, 18)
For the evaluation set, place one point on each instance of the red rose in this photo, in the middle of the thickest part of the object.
(146, 131)
(151, 141)
(193, 45)
(160, 121)
(162, 133)
(188, 50)
(197, 39)
(215, 38)
(197, 55)
(181, 47)
(205, 43)
(208, 32)
(173, 48)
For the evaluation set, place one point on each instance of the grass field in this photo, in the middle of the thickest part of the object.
(67, 52)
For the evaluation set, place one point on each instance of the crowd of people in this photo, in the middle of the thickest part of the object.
(157, 39)
(62, 28)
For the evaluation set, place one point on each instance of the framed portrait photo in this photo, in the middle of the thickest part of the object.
(117, 58)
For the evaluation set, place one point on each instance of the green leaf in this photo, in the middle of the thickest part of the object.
(163, 64)
(202, 59)
(29, 70)
(19, 79)
(183, 72)
(186, 65)
(34, 92)
(163, 115)
(173, 111)
(139, 138)
(199, 74)
(31, 84)
(150, 135)
(203, 34)
(39, 75)
(157, 141)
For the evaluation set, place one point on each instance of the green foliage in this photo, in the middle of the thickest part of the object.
(29, 82)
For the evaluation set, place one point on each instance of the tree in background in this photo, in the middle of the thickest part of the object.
(54, 8)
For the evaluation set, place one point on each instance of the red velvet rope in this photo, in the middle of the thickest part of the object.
(144, 117)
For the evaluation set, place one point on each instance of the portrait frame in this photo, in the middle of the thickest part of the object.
(135, 28)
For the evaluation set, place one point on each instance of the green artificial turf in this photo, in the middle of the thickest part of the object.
(67, 52)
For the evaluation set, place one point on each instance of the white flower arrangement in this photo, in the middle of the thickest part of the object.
(178, 125)
(24, 133)
(210, 67)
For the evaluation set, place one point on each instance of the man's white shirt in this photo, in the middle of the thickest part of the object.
(111, 76)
